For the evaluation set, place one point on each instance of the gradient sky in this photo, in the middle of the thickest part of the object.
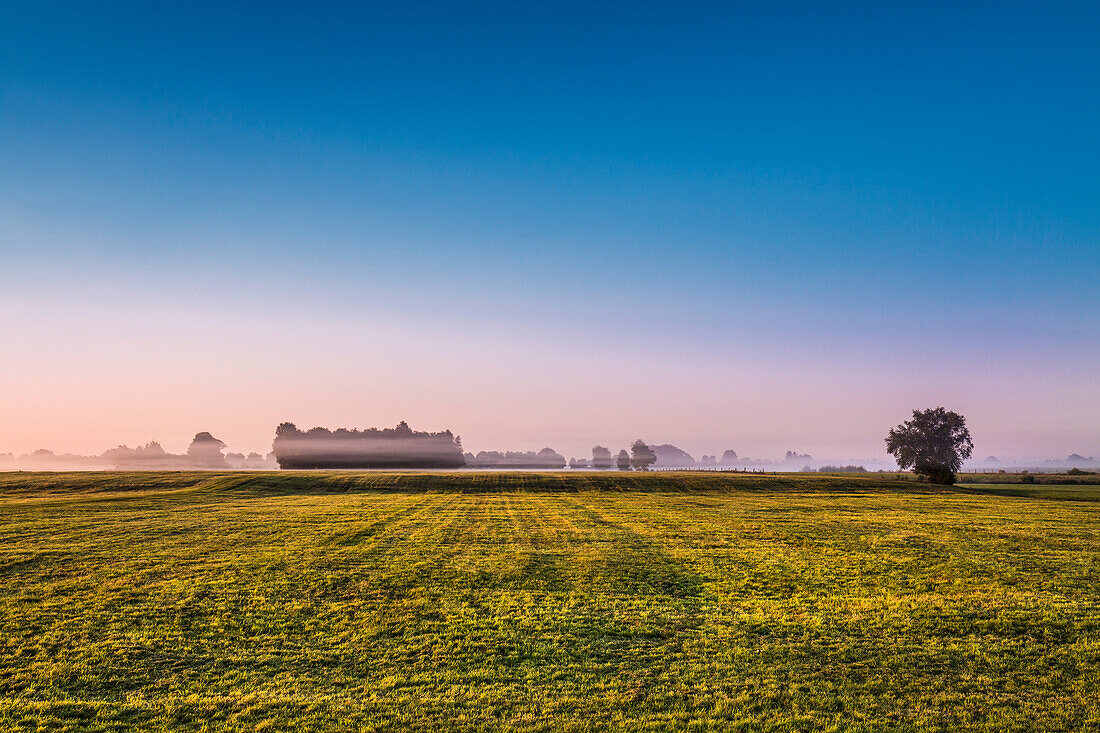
(752, 226)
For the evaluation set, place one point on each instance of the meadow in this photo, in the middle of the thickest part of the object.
(553, 602)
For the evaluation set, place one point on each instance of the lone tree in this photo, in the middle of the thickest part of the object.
(642, 456)
(623, 460)
(934, 444)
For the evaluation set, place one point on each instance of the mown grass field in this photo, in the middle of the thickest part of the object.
(557, 601)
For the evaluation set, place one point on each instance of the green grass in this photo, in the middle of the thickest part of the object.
(556, 601)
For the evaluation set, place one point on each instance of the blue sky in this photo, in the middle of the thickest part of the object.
(909, 190)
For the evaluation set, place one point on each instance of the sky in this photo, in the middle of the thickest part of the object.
(758, 226)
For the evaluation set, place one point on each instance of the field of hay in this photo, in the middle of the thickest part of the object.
(556, 601)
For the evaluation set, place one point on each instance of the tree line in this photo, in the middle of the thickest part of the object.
(397, 447)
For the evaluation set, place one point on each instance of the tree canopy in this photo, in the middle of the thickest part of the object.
(601, 457)
(642, 456)
(934, 444)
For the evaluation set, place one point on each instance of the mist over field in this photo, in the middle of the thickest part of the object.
(402, 447)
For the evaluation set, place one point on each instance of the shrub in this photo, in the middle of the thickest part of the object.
(937, 474)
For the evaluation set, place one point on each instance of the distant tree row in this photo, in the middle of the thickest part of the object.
(397, 447)
(671, 456)
(205, 452)
(640, 458)
(545, 458)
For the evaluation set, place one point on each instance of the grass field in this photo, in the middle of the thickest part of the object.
(557, 601)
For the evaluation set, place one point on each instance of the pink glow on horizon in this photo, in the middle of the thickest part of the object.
(84, 383)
